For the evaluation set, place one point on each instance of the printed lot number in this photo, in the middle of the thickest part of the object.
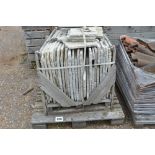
(59, 119)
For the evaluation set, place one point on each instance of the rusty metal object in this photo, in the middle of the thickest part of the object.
(142, 62)
(149, 68)
(129, 40)
(150, 45)
(139, 51)
(138, 55)
(144, 50)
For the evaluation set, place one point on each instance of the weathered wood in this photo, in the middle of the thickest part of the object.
(36, 34)
(117, 122)
(100, 106)
(34, 42)
(31, 57)
(108, 114)
(39, 126)
(79, 125)
(32, 50)
(35, 37)
(31, 28)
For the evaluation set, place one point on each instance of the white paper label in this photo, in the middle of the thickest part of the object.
(59, 119)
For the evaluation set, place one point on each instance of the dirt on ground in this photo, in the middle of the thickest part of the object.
(16, 108)
(12, 44)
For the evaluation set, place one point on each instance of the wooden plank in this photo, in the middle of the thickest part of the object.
(34, 42)
(88, 108)
(117, 122)
(31, 57)
(32, 50)
(39, 126)
(79, 125)
(36, 34)
(31, 28)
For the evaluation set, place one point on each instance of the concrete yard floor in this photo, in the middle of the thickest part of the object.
(16, 109)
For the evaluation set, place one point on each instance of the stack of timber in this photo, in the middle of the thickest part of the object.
(35, 36)
(136, 78)
(77, 72)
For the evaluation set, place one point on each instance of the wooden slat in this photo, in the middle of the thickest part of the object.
(36, 34)
(88, 108)
(31, 28)
(31, 50)
(34, 42)
(31, 57)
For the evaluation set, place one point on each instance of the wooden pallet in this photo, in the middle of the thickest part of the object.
(78, 116)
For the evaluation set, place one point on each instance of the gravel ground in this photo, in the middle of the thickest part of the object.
(15, 108)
